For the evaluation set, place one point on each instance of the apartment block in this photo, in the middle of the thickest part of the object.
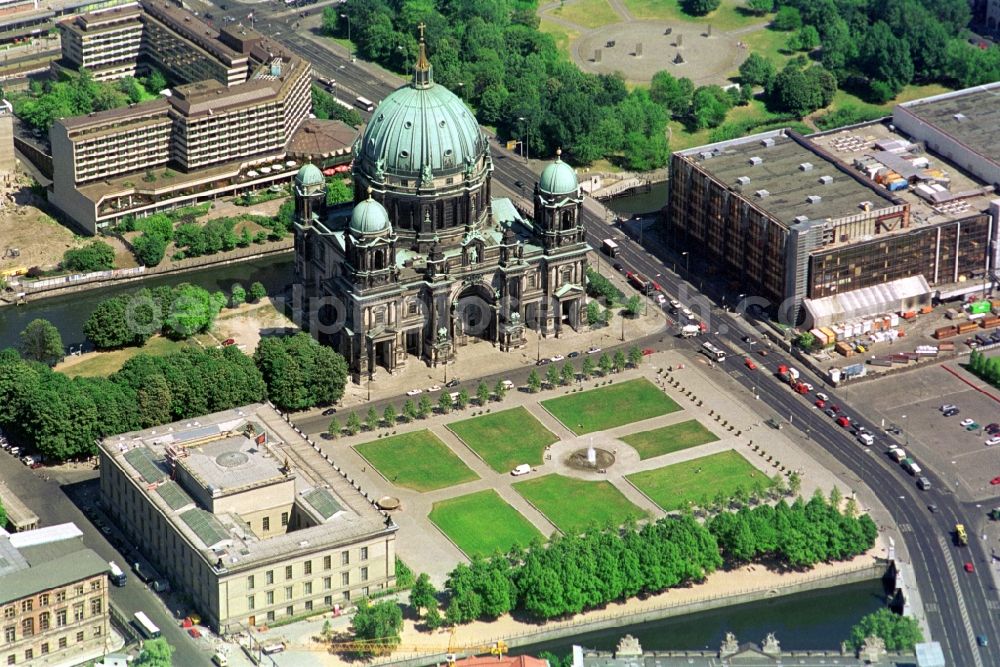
(54, 597)
(220, 509)
(107, 43)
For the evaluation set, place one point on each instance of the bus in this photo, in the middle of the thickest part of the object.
(610, 247)
(365, 103)
(116, 575)
(146, 626)
(639, 282)
(713, 353)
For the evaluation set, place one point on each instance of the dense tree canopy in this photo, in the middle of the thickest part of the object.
(40, 341)
(301, 373)
(155, 653)
(73, 94)
(901, 633)
(95, 256)
(379, 624)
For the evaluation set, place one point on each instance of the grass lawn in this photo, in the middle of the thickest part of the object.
(418, 461)
(574, 504)
(726, 17)
(563, 35)
(106, 363)
(607, 407)
(769, 43)
(505, 439)
(482, 522)
(588, 13)
(673, 487)
(669, 439)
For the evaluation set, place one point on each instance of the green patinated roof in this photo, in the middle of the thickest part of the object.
(323, 502)
(204, 524)
(558, 178)
(417, 126)
(369, 217)
(310, 174)
(142, 460)
(173, 495)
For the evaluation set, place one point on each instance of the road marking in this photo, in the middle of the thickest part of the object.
(905, 528)
(993, 604)
(963, 610)
(931, 607)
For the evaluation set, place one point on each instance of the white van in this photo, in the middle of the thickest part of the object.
(866, 439)
(508, 385)
(522, 469)
(220, 659)
(897, 454)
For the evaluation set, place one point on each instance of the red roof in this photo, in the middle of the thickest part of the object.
(506, 661)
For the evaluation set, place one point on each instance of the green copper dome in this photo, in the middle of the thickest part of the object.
(418, 126)
(369, 217)
(308, 175)
(558, 178)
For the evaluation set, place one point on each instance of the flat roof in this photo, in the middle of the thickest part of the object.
(142, 112)
(971, 117)
(939, 191)
(18, 514)
(775, 171)
(43, 559)
(223, 452)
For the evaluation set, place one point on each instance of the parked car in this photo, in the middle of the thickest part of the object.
(820, 403)
(830, 412)
(974, 426)
(993, 441)
(951, 412)
(556, 358)
(946, 407)
(844, 421)
(228, 342)
(646, 351)
(414, 392)
(543, 361)
(329, 411)
(453, 383)
(573, 355)
(593, 350)
(995, 481)
(617, 266)
(992, 428)
(433, 387)
(966, 422)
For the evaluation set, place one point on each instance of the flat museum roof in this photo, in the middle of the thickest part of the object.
(971, 118)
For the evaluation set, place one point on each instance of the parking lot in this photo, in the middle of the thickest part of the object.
(940, 444)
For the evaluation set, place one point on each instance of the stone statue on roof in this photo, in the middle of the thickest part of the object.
(380, 169)
(426, 175)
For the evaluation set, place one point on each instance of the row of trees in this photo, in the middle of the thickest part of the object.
(494, 56)
(800, 535)
(987, 368)
(73, 94)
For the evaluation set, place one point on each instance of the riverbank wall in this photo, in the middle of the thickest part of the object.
(595, 621)
(51, 287)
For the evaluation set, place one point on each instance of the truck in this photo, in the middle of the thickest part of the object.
(910, 466)
(961, 537)
(116, 575)
(689, 330)
(639, 282)
(609, 247)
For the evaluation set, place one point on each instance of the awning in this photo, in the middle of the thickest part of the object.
(894, 296)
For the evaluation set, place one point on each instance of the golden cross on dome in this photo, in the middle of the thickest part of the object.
(421, 27)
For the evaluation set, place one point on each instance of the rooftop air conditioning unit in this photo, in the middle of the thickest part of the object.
(756, 161)
(814, 199)
(806, 166)
(767, 142)
(762, 193)
(865, 206)
(743, 180)
(801, 218)
(826, 180)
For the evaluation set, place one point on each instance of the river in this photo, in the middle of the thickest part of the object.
(818, 619)
(646, 202)
(69, 312)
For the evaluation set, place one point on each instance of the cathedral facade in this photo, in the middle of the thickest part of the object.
(427, 262)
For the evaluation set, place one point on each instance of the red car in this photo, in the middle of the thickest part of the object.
(844, 421)
(820, 403)
(228, 342)
(969, 567)
(835, 408)
(750, 364)
(995, 481)
(648, 351)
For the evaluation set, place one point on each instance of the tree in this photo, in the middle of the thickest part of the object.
(699, 7)
(799, 91)
(794, 483)
(389, 416)
(634, 357)
(424, 407)
(149, 249)
(900, 633)
(3, 517)
(338, 191)
(409, 411)
(112, 325)
(445, 403)
(482, 394)
(605, 364)
(756, 70)
(372, 420)
(633, 306)
(886, 59)
(806, 39)
(787, 18)
(709, 106)
(500, 390)
(353, 424)
(552, 376)
(257, 291)
(95, 256)
(619, 360)
(237, 296)
(40, 341)
(588, 368)
(760, 7)
(193, 311)
(568, 373)
(422, 595)
(806, 341)
(534, 382)
(462, 400)
(334, 429)
(673, 93)
(595, 316)
(299, 372)
(155, 81)
(378, 625)
(155, 653)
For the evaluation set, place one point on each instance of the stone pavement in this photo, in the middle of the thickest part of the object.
(425, 549)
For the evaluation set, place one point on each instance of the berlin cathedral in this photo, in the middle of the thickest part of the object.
(426, 263)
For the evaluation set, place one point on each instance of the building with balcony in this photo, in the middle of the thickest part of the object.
(106, 43)
(803, 219)
(54, 597)
(219, 509)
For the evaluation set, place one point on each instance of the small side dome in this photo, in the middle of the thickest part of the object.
(558, 178)
(369, 217)
(308, 175)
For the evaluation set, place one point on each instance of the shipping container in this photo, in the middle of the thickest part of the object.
(946, 347)
(990, 322)
(894, 320)
(844, 349)
(908, 315)
(927, 310)
(866, 326)
(880, 362)
(966, 327)
(820, 336)
(980, 307)
(945, 332)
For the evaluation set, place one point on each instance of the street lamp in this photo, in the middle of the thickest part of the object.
(687, 261)
(345, 16)
(524, 144)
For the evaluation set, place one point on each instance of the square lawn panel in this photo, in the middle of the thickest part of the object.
(574, 504)
(608, 407)
(418, 461)
(669, 439)
(699, 480)
(482, 522)
(505, 439)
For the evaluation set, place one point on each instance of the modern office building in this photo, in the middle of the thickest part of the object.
(226, 133)
(106, 43)
(821, 218)
(219, 509)
(54, 596)
(427, 260)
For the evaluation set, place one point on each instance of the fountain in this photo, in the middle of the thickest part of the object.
(591, 455)
(591, 459)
